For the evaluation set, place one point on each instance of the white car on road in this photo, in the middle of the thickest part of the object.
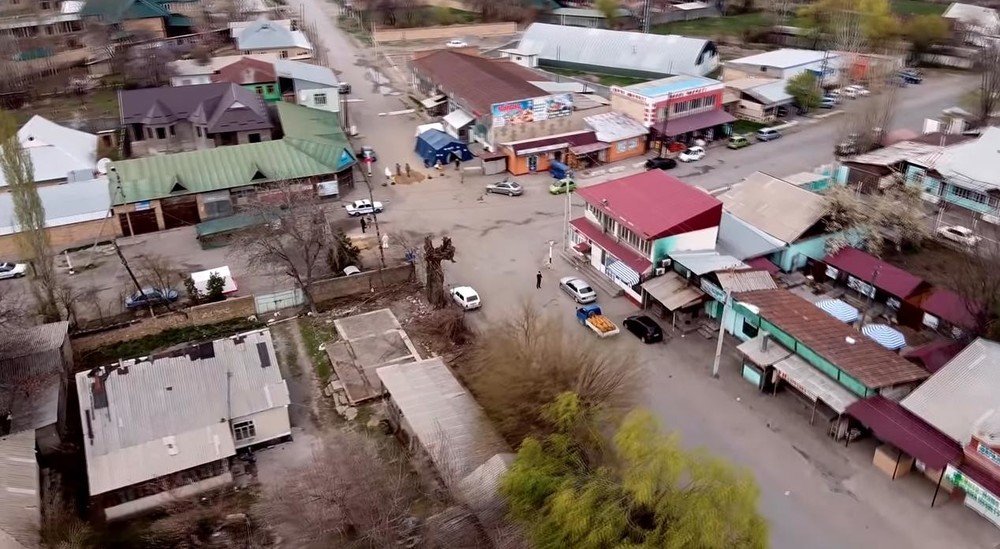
(363, 207)
(693, 154)
(456, 43)
(962, 235)
(580, 291)
(855, 91)
(13, 270)
(466, 297)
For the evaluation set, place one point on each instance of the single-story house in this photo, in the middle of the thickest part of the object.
(308, 85)
(190, 72)
(75, 214)
(58, 154)
(278, 37)
(253, 74)
(872, 278)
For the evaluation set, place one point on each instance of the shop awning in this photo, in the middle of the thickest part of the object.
(589, 148)
(554, 143)
(601, 240)
(432, 102)
(694, 122)
(458, 119)
(903, 429)
(769, 356)
(621, 271)
(815, 384)
(839, 309)
(672, 291)
(582, 248)
(886, 336)
(763, 264)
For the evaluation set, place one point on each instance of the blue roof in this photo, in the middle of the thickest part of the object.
(667, 86)
(436, 138)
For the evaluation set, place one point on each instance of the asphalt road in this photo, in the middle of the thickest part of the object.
(812, 494)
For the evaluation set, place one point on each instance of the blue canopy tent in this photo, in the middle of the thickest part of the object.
(435, 145)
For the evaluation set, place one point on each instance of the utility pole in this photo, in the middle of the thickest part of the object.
(121, 191)
(378, 231)
(870, 296)
(646, 8)
(722, 332)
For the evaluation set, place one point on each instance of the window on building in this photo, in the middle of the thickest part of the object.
(199, 131)
(173, 130)
(254, 138)
(45, 5)
(161, 133)
(50, 30)
(709, 101)
(969, 194)
(149, 132)
(681, 107)
(270, 88)
(244, 430)
(283, 54)
(621, 146)
(749, 330)
(217, 204)
(320, 99)
(696, 103)
(259, 90)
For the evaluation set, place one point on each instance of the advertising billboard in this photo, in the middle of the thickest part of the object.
(532, 110)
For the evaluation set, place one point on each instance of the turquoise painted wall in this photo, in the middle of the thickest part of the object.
(269, 91)
(932, 185)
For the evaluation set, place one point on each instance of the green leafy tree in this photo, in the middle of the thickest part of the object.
(192, 290)
(851, 25)
(609, 9)
(804, 87)
(646, 492)
(214, 287)
(924, 31)
(342, 253)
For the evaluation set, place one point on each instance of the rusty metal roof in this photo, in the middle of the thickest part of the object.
(477, 81)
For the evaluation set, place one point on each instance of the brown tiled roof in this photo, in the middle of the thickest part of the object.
(868, 362)
(247, 71)
(477, 81)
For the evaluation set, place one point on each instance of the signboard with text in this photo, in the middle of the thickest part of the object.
(977, 498)
(531, 110)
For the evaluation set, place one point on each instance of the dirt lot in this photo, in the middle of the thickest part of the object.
(935, 263)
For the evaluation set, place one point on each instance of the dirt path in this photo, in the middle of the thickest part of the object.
(303, 387)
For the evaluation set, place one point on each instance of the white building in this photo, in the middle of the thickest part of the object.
(264, 36)
(314, 86)
(780, 64)
(58, 154)
(162, 427)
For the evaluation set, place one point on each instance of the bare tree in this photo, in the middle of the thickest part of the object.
(519, 366)
(157, 271)
(29, 216)
(977, 279)
(433, 256)
(354, 493)
(895, 214)
(294, 239)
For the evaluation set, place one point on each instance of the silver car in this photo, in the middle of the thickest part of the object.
(580, 291)
(507, 187)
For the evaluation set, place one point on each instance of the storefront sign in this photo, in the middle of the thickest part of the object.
(832, 272)
(140, 206)
(988, 453)
(695, 91)
(532, 110)
(798, 386)
(716, 292)
(977, 498)
(861, 286)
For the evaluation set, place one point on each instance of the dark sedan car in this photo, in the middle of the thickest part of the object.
(150, 297)
(661, 164)
(644, 328)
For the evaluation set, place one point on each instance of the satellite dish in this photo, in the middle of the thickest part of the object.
(102, 166)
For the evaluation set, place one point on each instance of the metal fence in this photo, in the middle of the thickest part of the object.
(267, 303)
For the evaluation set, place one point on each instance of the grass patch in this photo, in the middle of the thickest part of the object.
(741, 126)
(917, 7)
(314, 335)
(733, 25)
(421, 16)
(604, 79)
(175, 336)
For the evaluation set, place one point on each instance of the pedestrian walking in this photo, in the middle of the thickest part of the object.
(458, 162)
(538, 280)
(364, 226)
(437, 165)
(407, 169)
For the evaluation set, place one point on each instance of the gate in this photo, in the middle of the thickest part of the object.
(267, 303)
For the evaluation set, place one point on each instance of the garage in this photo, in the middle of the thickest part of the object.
(141, 222)
(180, 212)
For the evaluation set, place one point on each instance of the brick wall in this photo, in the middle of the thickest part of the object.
(64, 236)
(201, 315)
(445, 32)
(333, 288)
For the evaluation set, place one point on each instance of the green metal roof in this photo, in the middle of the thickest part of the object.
(232, 223)
(115, 11)
(313, 145)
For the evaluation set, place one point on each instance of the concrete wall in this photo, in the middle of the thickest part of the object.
(190, 80)
(63, 237)
(269, 425)
(152, 27)
(334, 288)
(445, 32)
(629, 107)
(284, 53)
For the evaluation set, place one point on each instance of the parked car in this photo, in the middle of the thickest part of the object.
(693, 154)
(456, 43)
(827, 103)
(564, 185)
(507, 187)
(343, 88)
(367, 154)
(962, 235)
(858, 91)
(644, 328)
(13, 270)
(150, 297)
(836, 94)
(738, 142)
(363, 207)
(580, 291)
(466, 297)
(768, 134)
(661, 164)
(911, 76)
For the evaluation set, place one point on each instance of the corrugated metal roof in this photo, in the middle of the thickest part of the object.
(20, 498)
(621, 50)
(176, 401)
(269, 35)
(876, 272)
(961, 393)
(771, 93)
(707, 261)
(22, 342)
(904, 430)
(746, 281)
(613, 126)
(55, 150)
(981, 17)
(307, 72)
(588, 12)
(782, 59)
(976, 163)
(776, 207)
(744, 241)
(192, 67)
(476, 81)
(904, 150)
(246, 71)
(220, 107)
(815, 383)
(672, 291)
(442, 415)
(64, 204)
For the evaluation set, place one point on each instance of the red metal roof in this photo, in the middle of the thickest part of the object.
(570, 140)
(950, 306)
(763, 264)
(654, 205)
(861, 265)
(861, 358)
(693, 122)
(638, 263)
(934, 355)
(900, 427)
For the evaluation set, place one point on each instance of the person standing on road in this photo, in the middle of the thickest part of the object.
(407, 169)
(364, 225)
(458, 163)
(538, 280)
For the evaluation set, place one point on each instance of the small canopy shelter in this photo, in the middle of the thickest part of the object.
(435, 145)
(886, 336)
(839, 310)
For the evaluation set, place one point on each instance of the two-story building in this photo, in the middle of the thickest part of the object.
(676, 108)
(165, 120)
(55, 23)
(253, 74)
(309, 85)
(631, 224)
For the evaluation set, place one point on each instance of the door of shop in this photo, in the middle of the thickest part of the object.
(141, 222)
(533, 163)
(180, 212)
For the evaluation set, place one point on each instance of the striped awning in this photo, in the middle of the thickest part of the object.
(839, 310)
(886, 336)
(622, 272)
